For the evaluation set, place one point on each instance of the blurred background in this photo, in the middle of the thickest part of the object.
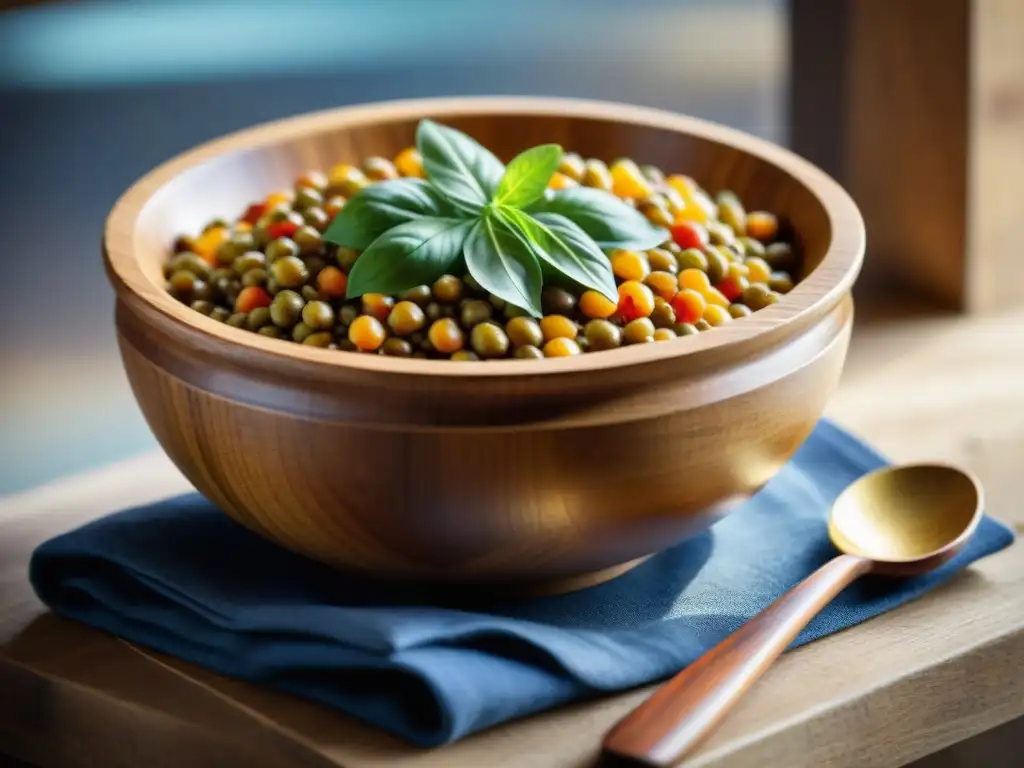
(94, 94)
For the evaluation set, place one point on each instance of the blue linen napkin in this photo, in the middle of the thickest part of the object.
(180, 577)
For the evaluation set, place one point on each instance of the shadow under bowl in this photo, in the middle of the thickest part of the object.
(510, 472)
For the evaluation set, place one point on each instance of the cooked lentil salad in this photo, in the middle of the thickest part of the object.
(274, 271)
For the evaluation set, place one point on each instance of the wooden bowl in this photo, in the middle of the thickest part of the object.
(500, 472)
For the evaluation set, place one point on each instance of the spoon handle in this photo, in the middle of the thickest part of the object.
(688, 707)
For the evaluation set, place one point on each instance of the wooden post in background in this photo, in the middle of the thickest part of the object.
(917, 107)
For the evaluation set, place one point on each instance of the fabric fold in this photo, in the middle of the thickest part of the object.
(181, 578)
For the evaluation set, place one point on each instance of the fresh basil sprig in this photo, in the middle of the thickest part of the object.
(503, 225)
(380, 207)
(501, 260)
(607, 220)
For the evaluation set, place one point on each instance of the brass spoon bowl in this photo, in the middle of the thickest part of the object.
(907, 520)
(897, 521)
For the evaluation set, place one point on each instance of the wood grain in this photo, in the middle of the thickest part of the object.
(938, 670)
(917, 107)
(684, 712)
(901, 686)
(507, 471)
(818, 83)
(996, 152)
(906, 151)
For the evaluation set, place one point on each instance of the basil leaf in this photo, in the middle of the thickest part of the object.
(378, 207)
(504, 264)
(566, 247)
(414, 253)
(464, 171)
(527, 176)
(609, 222)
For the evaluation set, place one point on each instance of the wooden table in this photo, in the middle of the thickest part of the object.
(901, 686)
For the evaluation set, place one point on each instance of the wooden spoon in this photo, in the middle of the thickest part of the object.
(897, 521)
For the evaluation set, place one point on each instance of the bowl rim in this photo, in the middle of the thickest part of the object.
(823, 288)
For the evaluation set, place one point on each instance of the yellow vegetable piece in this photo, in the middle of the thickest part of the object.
(561, 181)
(596, 306)
(628, 180)
(409, 163)
(630, 265)
(558, 327)
(208, 243)
(561, 347)
(716, 315)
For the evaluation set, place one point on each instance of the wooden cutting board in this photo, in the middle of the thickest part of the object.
(903, 685)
